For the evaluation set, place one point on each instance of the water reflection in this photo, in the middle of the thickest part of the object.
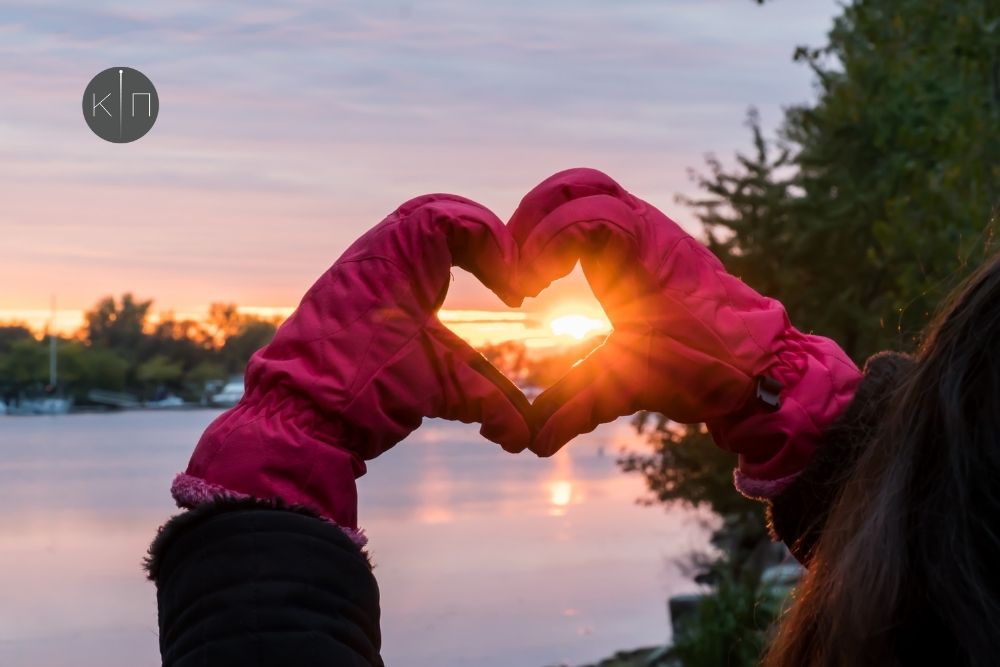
(561, 486)
(482, 557)
(434, 487)
(560, 495)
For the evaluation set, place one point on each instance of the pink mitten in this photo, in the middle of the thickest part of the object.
(360, 363)
(690, 340)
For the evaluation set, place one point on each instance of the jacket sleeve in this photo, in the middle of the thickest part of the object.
(798, 514)
(248, 582)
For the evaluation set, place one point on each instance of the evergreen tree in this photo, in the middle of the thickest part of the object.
(876, 200)
(868, 206)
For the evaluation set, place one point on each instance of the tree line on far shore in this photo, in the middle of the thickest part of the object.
(119, 349)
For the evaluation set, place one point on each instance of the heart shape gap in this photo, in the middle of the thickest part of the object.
(535, 345)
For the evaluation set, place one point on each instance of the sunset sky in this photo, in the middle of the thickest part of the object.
(287, 129)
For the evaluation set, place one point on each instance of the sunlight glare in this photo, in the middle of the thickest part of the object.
(576, 326)
(560, 493)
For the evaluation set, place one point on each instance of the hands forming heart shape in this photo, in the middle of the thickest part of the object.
(383, 360)
(364, 358)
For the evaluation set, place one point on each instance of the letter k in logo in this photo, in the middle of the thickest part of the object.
(100, 104)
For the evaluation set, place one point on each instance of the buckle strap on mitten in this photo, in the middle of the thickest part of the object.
(768, 392)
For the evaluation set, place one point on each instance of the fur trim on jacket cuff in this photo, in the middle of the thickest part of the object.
(190, 492)
(181, 523)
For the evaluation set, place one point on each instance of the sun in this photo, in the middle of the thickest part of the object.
(576, 326)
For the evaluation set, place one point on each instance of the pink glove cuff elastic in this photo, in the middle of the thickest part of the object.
(818, 382)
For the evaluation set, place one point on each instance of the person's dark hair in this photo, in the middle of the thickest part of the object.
(907, 570)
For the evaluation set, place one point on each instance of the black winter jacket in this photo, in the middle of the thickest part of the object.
(257, 583)
(253, 583)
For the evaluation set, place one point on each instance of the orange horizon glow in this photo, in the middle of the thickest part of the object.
(563, 314)
(567, 322)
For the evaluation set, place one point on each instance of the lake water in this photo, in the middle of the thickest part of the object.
(483, 558)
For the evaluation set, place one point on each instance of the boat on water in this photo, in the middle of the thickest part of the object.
(50, 400)
(118, 400)
(229, 395)
(168, 402)
(46, 405)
